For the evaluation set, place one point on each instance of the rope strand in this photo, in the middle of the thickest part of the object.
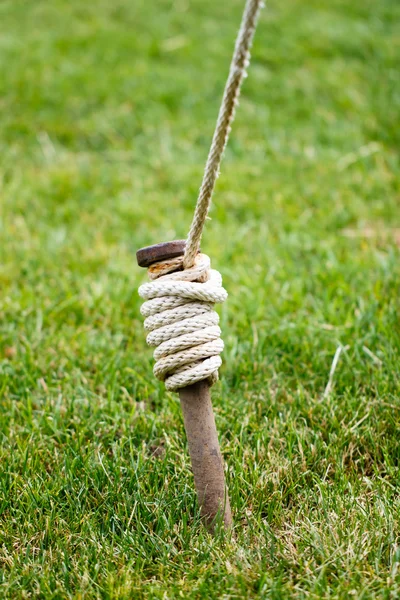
(237, 72)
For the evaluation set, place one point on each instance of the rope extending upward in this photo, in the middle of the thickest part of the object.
(237, 72)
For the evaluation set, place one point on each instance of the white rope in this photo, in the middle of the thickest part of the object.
(237, 72)
(179, 301)
(181, 321)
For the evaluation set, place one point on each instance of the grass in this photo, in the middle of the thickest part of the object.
(107, 113)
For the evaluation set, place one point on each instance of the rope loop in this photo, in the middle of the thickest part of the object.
(181, 321)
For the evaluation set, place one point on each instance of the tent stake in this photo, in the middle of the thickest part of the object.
(198, 415)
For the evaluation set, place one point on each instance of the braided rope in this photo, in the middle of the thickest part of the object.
(240, 61)
(181, 321)
(179, 301)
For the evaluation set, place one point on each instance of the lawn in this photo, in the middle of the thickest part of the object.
(107, 112)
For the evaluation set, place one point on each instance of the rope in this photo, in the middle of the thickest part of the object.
(181, 321)
(179, 301)
(237, 72)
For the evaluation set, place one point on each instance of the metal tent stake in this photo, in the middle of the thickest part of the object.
(201, 432)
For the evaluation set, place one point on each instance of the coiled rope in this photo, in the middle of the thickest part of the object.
(182, 323)
(179, 301)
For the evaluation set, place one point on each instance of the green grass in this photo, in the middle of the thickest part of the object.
(107, 111)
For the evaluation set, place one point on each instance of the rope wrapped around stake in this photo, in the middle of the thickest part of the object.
(179, 307)
(182, 322)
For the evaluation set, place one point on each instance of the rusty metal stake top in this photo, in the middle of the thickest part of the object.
(150, 254)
